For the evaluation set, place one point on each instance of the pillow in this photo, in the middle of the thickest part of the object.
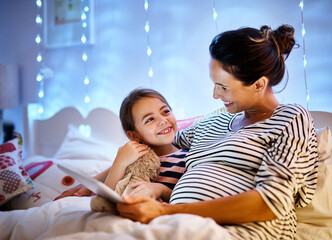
(77, 145)
(14, 180)
(319, 211)
(324, 143)
(49, 181)
(184, 123)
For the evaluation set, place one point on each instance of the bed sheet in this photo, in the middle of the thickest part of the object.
(71, 218)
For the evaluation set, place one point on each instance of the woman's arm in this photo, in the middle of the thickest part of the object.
(241, 208)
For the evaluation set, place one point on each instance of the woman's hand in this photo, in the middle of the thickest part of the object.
(141, 208)
(78, 191)
(152, 190)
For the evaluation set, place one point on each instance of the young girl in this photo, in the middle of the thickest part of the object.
(148, 121)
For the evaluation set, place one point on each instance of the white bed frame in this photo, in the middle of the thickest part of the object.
(105, 125)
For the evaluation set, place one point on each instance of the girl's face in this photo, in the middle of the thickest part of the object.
(155, 124)
(236, 96)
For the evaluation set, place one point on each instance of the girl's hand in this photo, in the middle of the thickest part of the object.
(152, 190)
(127, 154)
(130, 152)
(140, 208)
(78, 191)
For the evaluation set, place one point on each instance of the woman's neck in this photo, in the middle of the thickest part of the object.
(165, 149)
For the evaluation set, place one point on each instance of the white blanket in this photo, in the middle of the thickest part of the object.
(71, 218)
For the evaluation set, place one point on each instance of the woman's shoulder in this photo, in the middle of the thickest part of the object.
(291, 110)
(292, 113)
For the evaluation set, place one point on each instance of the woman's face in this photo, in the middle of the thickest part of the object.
(235, 96)
(155, 124)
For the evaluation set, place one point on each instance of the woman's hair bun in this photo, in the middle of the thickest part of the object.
(283, 37)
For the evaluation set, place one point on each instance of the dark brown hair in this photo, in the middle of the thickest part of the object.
(126, 115)
(249, 53)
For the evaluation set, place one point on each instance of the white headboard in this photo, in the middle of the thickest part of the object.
(44, 137)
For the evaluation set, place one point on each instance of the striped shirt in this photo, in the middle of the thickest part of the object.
(172, 167)
(277, 157)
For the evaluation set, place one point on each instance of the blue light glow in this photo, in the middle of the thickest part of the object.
(38, 39)
(39, 77)
(39, 20)
(39, 57)
(39, 3)
(83, 38)
(84, 57)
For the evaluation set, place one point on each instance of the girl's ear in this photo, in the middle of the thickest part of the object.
(133, 136)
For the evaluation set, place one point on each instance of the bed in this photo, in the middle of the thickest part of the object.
(90, 143)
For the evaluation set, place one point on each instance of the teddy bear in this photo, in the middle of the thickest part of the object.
(145, 168)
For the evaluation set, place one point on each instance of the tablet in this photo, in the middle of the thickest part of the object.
(93, 184)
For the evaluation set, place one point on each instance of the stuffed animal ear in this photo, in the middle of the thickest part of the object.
(133, 136)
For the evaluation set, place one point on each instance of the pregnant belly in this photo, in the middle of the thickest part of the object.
(210, 181)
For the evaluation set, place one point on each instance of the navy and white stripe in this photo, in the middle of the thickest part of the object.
(277, 157)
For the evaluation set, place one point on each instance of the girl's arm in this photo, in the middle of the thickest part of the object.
(127, 154)
(151, 189)
(241, 208)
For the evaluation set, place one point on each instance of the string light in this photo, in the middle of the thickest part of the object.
(39, 58)
(304, 54)
(147, 30)
(84, 16)
(215, 15)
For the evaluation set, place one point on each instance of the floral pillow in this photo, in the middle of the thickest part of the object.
(14, 180)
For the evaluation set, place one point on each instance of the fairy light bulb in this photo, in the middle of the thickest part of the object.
(146, 5)
(39, 57)
(147, 27)
(38, 39)
(83, 39)
(39, 3)
(87, 99)
(39, 77)
(41, 93)
(84, 57)
(39, 20)
(150, 72)
(86, 80)
(304, 61)
(149, 51)
(83, 16)
(215, 15)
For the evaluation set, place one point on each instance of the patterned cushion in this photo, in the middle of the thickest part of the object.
(14, 180)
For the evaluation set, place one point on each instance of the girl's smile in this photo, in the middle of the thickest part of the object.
(155, 124)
